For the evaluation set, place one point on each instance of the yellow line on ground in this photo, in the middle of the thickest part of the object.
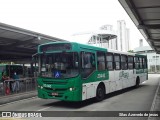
(11, 119)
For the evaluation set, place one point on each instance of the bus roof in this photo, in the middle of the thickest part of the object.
(121, 52)
(79, 45)
(86, 46)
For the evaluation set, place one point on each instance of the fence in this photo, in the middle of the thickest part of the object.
(10, 87)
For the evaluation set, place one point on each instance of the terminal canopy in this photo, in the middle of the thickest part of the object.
(145, 15)
(17, 44)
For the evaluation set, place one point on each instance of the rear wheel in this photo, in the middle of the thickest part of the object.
(137, 82)
(100, 93)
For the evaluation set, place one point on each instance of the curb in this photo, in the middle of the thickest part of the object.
(154, 102)
(16, 97)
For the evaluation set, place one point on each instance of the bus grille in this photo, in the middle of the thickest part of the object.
(53, 82)
(57, 89)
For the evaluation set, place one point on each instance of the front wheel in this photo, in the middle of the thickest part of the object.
(100, 93)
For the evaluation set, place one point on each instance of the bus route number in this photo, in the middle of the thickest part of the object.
(101, 75)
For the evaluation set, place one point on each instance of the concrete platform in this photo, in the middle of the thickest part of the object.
(156, 103)
(16, 97)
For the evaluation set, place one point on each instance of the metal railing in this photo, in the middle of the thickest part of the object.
(15, 86)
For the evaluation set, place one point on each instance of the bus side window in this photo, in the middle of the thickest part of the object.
(109, 61)
(101, 60)
(140, 63)
(117, 61)
(88, 63)
(144, 62)
(136, 61)
(130, 62)
(124, 62)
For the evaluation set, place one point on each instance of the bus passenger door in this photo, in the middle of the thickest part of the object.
(88, 67)
(131, 78)
(117, 72)
(131, 71)
(111, 84)
(125, 74)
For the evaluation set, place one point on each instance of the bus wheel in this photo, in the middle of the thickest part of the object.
(137, 82)
(100, 93)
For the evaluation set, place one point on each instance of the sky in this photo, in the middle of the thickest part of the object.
(63, 18)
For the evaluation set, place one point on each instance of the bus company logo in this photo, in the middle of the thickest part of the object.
(122, 74)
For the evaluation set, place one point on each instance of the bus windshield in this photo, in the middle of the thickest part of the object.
(59, 65)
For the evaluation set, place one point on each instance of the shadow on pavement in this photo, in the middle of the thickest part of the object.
(77, 105)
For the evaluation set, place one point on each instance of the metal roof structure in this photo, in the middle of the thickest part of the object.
(106, 35)
(20, 44)
(143, 48)
(146, 16)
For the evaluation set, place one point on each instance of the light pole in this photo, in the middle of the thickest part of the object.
(156, 64)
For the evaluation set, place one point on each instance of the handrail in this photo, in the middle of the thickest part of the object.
(15, 86)
(21, 79)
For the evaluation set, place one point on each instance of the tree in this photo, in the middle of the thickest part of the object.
(131, 51)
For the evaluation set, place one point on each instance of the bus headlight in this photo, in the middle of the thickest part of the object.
(71, 89)
(41, 87)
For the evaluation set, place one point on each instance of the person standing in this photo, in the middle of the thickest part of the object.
(16, 83)
(6, 85)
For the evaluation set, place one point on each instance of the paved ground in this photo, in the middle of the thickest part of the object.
(131, 99)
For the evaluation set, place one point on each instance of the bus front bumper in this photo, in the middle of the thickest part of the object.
(63, 95)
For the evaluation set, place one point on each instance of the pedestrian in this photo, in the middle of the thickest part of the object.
(16, 82)
(4, 76)
(6, 85)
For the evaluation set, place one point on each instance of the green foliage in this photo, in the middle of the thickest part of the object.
(131, 51)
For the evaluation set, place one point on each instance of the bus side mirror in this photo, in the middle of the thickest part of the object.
(93, 63)
(35, 57)
(76, 64)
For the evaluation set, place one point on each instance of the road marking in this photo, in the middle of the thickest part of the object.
(43, 109)
(144, 82)
(153, 103)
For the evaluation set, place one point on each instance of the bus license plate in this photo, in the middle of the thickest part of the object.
(54, 94)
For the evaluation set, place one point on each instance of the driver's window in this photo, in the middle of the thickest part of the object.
(43, 63)
(88, 63)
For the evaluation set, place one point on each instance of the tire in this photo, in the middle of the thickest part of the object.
(137, 82)
(100, 93)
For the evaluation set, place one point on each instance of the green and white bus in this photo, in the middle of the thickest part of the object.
(71, 71)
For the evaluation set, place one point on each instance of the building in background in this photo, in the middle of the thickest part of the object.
(112, 43)
(123, 36)
(141, 43)
(152, 58)
(105, 37)
(127, 39)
